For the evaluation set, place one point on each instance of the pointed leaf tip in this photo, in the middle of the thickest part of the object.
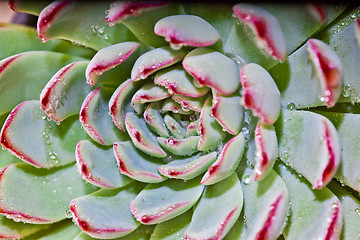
(328, 69)
(267, 30)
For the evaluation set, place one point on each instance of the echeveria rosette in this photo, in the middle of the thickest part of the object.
(170, 122)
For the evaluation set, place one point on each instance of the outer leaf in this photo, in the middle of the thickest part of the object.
(217, 211)
(186, 30)
(65, 92)
(41, 143)
(227, 161)
(202, 64)
(97, 165)
(172, 229)
(61, 230)
(210, 131)
(26, 7)
(141, 17)
(136, 164)
(163, 201)
(142, 137)
(47, 196)
(316, 139)
(314, 213)
(16, 39)
(188, 167)
(36, 67)
(106, 213)
(95, 119)
(56, 21)
(266, 205)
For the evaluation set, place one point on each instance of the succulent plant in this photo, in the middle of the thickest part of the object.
(156, 120)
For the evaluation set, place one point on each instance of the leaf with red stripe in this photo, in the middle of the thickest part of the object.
(106, 214)
(160, 202)
(217, 211)
(47, 196)
(29, 136)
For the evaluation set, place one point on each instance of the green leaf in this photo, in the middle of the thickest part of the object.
(210, 131)
(217, 211)
(16, 38)
(180, 147)
(191, 103)
(203, 65)
(61, 230)
(35, 67)
(64, 93)
(33, 139)
(95, 119)
(169, 105)
(266, 205)
(136, 164)
(39, 196)
(174, 127)
(172, 229)
(142, 137)
(313, 213)
(154, 119)
(57, 21)
(188, 167)
(97, 165)
(227, 161)
(106, 213)
(305, 135)
(163, 201)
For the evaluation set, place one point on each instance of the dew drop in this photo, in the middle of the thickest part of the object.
(291, 106)
(247, 179)
(68, 213)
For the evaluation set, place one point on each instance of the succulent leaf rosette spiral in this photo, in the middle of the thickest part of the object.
(157, 120)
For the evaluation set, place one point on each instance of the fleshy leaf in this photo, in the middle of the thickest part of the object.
(328, 69)
(348, 131)
(119, 103)
(188, 167)
(350, 209)
(148, 93)
(141, 17)
(180, 147)
(163, 201)
(210, 131)
(27, 7)
(35, 67)
(105, 213)
(203, 65)
(316, 139)
(135, 164)
(60, 230)
(16, 38)
(227, 161)
(28, 135)
(57, 21)
(174, 127)
(121, 55)
(228, 112)
(97, 165)
(95, 119)
(238, 231)
(154, 60)
(172, 229)
(154, 119)
(313, 213)
(260, 93)
(217, 211)
(47, 196)
(169, 105)
(65, 92)
(265, 27)
(266, 205)
(178, 81)
(142, 137)
(266, 150)
(191, 103)
(186, 30)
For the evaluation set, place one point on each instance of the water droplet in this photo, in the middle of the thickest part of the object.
(68, 213)
(357, 210)
(291, 106)
(247, 179)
